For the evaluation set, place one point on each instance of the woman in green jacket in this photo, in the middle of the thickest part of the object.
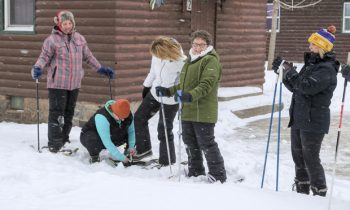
(198, 87)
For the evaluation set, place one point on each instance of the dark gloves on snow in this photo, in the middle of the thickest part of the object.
(276, 64)
(106, 71)
(36, 72)
(127, 163)
(162, 91)
(183, 97)
(145, 91)
(345, 71)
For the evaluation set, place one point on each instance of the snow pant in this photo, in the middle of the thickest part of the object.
(93, 143)
(199, 137)
(61, 111)
(306, 148)
(147, 109)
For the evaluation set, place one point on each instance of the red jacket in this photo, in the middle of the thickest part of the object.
(64, 60)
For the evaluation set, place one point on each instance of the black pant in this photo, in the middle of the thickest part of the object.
(91, 140)
(199, 137)
(61, 111)
(147, 109)
(306, 156)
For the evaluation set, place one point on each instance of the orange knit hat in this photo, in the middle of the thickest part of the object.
(121, 108)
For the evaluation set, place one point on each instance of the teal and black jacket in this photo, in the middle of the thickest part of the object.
(112, 132)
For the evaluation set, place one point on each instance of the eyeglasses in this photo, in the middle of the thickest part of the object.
(203, 45)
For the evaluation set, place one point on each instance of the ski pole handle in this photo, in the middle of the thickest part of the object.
(179, 94)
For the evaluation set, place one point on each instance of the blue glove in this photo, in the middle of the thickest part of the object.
(36, 72)
(183, 96)
(106, 71)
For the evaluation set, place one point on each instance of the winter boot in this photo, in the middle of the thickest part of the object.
(212, 179)
(66, 141)
(195, 173)
(320, 192)
(54, 149)
(301, 186)
(94, 159)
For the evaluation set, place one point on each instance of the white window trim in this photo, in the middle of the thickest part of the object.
(278, 17)
(7, 26)
(345, 17)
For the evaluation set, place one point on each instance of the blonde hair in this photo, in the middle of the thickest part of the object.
(321, 52)
(166, 48)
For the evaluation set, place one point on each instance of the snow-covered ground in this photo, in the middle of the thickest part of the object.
(41, 181)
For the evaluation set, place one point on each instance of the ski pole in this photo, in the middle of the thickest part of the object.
(270, 128)
(279, 126)
(166, 133)
(337, 144)
(179, 92)
(37, 112)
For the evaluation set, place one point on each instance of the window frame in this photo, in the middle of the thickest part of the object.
(270, 17)
(6, 28)
(345, 17)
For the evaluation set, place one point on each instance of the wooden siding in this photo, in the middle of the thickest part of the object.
(240, 42)
(18, 53)
(203, 16)
(136, 28)
(299, 24)
(119, 33)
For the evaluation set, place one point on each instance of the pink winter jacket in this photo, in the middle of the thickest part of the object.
(64, 60)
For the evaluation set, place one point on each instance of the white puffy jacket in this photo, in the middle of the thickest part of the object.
(164, 73)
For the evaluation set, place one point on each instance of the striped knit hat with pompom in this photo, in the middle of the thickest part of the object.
(324, 38)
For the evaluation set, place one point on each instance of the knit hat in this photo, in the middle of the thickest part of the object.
(324, 38)
(63, 16)
(121, 108)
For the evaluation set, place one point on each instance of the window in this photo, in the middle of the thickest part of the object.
(269, 11)
(346, 18)
(16, 102)
(17, 15)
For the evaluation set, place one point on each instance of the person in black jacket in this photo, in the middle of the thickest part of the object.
(309, 112)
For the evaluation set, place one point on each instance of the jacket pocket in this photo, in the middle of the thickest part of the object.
(54, 73)
(78, 45)
(62, 48)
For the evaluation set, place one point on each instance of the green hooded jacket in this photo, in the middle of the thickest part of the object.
(201, 79)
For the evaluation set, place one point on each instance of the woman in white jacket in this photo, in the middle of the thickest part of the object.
(167, 62)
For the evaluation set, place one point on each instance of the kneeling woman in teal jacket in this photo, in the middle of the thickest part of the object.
(110, 127)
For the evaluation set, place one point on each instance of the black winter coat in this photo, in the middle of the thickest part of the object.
(312, 89)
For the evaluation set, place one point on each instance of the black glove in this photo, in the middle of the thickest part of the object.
(162, 91)
(145, 91)
(127, 163)
(286, 68)
(345, 71)
(106, 71)
(276, 64)
(183, 96)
